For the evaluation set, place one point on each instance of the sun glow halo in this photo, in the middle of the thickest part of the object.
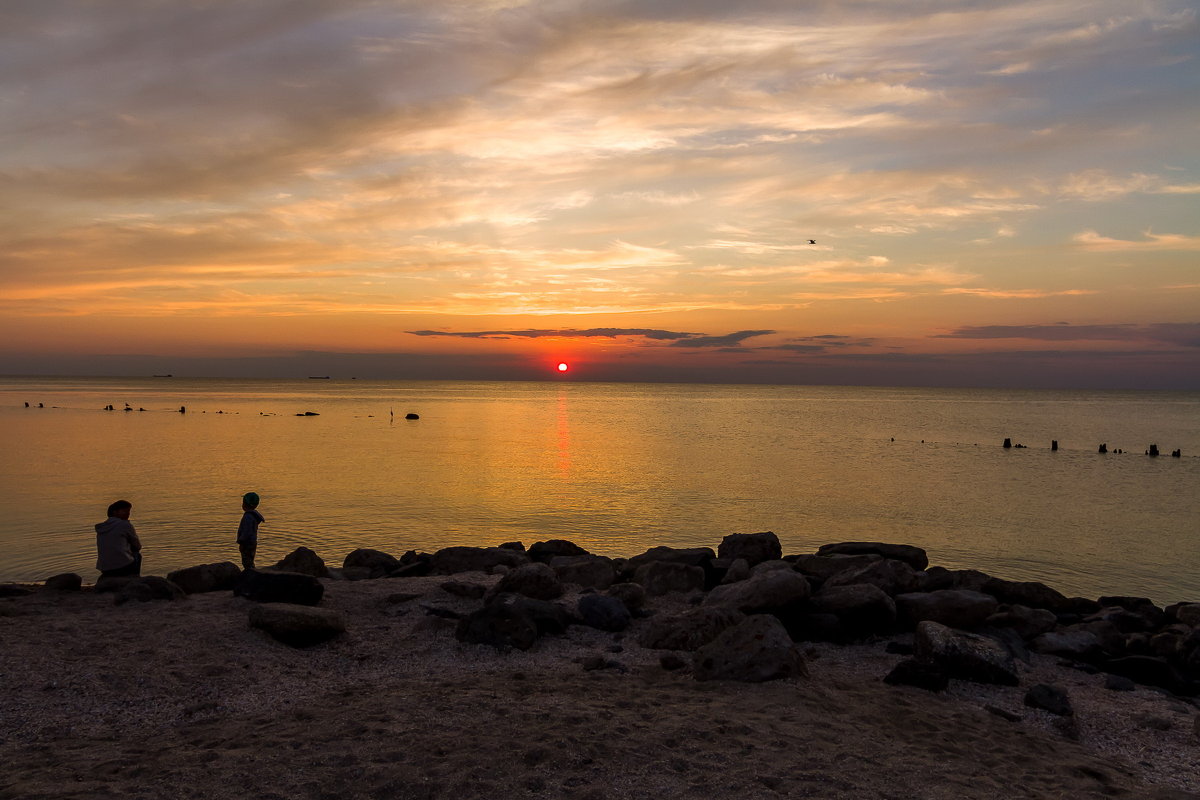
(563, 366)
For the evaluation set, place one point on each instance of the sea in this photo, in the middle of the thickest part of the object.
(616, 468)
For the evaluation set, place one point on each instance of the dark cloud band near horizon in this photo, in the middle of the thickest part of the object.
(677, 338)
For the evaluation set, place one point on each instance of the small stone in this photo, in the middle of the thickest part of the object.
(592, 663)
(672, 662)
(1119, 683)
(1049, 698)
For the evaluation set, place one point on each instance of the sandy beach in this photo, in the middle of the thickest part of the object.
(185, 699)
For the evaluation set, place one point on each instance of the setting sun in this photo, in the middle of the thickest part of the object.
(563, 366)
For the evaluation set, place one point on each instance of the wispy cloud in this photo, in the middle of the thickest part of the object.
(1092, 240)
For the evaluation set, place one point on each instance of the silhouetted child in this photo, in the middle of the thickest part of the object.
(247, 535)
(118, 549)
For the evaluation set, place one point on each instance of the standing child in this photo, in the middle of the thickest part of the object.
(247, 535)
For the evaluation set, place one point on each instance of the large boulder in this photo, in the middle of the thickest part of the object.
(936, 578)
(1187, 613)
(550, 549)
(1027, 622)
(297, 625)
(966, 656)
(372, 563)
(1152, 671)
(17, 590)
(147, 588)
(756, 649)
(754, 547)
(1077, 645)
(304, 561)
(1026, 593)
(603, 612)
(633, 595)
(861, 608)
(825, 567)
(1153, 616)
(217, 577)
(450, 560)
(956, 608)
(105, 583)
(535, 580)
(915, 557)
(767, 591)
(689, 630)
(692, 556)
(663, 577)
(594, 572)
(65, 582)
(892, 576)
(547, 617)
(263, 586)
(501, 625)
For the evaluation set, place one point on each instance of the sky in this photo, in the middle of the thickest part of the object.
(935, 192)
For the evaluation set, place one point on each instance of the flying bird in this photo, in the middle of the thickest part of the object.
(812, 241)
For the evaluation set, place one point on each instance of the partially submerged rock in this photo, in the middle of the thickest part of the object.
(147, 588)
(221, 576)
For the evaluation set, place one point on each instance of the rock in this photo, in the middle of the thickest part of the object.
(501, 625)
(297, 625)
(378, 564)
(894, 577)
(64, 582)
(915, 557)
(547, 617)
(603, 612)
(963, 655)
(633, 595)
(770, 566)
(304, 561)
(1153, 616)
(413, 565)
(1118, 683)
(1026, 593)
(754, 547)
(16, 590)
(263, 586)
(1150, 671)
(762, 592)
(221, 576)
(1049, 698)
(112, 583)
(692, 556)
(1187, 613)
(464, 589)
(814, 626)
(755, 649)
(1076, 645)
(860, 608)
(1025, 621)
(535, 580)
(689, 630)
(671, 662)
(825, 567)
(738, 570)
(1124, 620)
(355, 573)
(594, 572)
(147, 588)
(956, 608)
(450, 560)
(662, 577)
(911, 672)
(551, 548)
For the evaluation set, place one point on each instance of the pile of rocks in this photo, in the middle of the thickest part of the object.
(751, 607)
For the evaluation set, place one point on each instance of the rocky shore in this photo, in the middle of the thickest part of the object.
(858, 671)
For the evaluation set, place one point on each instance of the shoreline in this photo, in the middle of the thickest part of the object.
(187, 698)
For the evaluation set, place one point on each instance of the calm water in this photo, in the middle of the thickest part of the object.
(614, 467)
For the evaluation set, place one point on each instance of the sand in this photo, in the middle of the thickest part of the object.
(185, 700)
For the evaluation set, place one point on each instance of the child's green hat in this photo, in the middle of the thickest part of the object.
(250, 498)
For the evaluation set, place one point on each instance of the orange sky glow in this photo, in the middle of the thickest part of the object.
(999, 194)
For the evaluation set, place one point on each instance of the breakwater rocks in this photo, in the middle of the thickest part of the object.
(749, 608)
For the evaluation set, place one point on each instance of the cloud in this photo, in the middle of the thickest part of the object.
(1091, 240)
(720, 341)
(607, 333)
(1185, 334)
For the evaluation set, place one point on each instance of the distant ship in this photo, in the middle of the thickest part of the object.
(318, 377)
(168, 375)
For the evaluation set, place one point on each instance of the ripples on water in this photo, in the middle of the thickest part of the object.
(616, 468)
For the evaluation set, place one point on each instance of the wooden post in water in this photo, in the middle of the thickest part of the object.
(1104, 448)
(1008, 442)
(1153, 451)
(1053, 444)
